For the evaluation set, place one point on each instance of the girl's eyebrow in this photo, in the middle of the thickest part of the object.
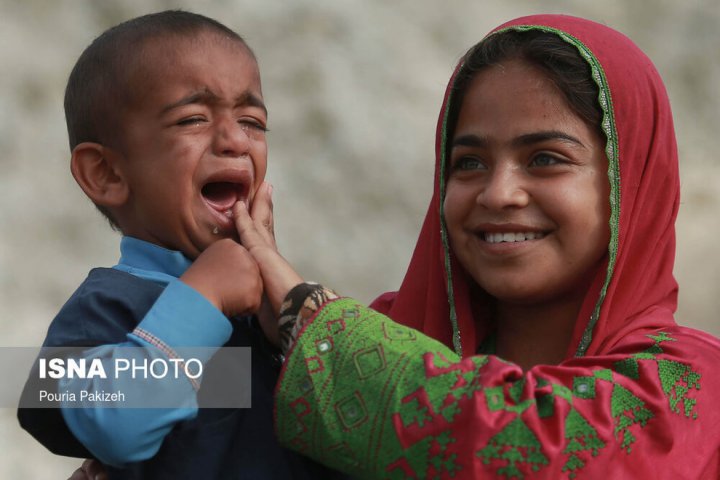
(471, 140)
(543, 136)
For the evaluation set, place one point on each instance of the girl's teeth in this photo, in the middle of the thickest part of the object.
(512, 237)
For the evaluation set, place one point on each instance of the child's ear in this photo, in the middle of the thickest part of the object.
(95, 169)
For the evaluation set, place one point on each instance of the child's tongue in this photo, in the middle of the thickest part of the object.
(221, 195)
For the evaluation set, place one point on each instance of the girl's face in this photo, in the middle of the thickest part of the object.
(527, 201)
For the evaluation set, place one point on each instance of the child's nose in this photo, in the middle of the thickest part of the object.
(231, 139)
(504, 188)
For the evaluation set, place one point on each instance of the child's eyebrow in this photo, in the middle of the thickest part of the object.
(206, 96)
(249, 99)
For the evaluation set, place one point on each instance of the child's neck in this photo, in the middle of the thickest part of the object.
(530, 335)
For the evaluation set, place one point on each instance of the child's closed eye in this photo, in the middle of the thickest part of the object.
(252, 124)
(194, 120)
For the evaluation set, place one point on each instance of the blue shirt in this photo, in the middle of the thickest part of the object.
(142, 298)
(180, 317)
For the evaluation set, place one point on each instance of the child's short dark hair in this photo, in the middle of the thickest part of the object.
(97, 79)
(98, 86)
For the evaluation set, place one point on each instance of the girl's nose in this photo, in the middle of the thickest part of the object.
(504, 188)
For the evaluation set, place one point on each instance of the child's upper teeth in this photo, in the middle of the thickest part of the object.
(512, 236)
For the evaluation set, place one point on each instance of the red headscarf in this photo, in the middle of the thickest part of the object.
(634, 289)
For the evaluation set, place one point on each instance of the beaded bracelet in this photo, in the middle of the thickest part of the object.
(299, 306)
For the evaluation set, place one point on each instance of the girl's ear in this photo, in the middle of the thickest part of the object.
(96, 171)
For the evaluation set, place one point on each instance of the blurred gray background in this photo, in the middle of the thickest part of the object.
(353, 88)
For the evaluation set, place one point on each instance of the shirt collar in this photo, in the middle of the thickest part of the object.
(136, 254)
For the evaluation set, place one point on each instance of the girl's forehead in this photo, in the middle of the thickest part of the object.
(514, 88)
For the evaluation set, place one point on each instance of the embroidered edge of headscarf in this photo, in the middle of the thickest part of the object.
(611, 149)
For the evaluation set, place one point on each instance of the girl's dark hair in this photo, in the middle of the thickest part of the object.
(559, 60)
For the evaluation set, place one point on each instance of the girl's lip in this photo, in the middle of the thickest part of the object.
(508, 228)
(512, 237)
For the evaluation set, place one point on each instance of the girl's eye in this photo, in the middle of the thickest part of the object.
(467, 163)
(544, 160)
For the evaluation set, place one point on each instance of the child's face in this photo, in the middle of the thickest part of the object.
(193, 142)
(527, 202)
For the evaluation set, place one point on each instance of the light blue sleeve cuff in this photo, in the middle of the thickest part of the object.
(119, 436)
(182, 317)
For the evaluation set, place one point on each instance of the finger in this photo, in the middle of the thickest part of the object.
(84, 472)
(262, 202)
(93, 470)
(79, 474)
(249, 236)
(96, 470)
(262, 212)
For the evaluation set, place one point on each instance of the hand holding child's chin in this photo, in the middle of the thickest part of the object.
(256, 234)
(228, 277)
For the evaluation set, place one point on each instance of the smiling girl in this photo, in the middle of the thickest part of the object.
(540, 295)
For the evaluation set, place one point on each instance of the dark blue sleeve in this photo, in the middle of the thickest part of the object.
(104, 308)
(180, 317)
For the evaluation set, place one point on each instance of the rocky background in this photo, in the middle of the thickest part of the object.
(353, 88)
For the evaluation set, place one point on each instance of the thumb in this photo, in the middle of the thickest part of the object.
(249, 236)
(262, 206)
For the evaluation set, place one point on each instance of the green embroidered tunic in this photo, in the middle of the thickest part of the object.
(375, 399)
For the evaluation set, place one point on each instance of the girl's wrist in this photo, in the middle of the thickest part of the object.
(298, 308)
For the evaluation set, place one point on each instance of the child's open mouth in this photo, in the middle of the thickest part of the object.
(223, 190)
(221, 196)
